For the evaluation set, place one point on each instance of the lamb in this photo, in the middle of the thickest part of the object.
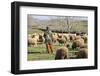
(62, 53)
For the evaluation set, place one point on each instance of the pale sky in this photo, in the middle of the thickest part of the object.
(41, 17)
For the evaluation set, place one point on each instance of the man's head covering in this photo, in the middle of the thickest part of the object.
(47, 28)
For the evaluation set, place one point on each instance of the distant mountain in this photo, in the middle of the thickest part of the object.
(33, 22)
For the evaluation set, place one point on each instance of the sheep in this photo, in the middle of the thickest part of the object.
(84, 46)
(72, 37)
(61, 41)
(41, 38)
(78, 43)
(77, 37)
(62, 53)
(59, 35)
(54, 37)
(85, 37)
(29, 35)
(67, 37)
(32, 39)
(83, 53)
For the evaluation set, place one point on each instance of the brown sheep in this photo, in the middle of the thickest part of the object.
(83, 53)
(41, 38)
(84, 46)
(78, 43)
(77, 37)
(61, 40)
(62, 53)
(72, 37)
(85, 37)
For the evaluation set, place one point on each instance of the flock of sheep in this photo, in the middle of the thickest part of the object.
(69, 40)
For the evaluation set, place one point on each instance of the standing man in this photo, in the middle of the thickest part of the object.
(48, 40)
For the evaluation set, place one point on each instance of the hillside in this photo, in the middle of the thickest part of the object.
(62, 24)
